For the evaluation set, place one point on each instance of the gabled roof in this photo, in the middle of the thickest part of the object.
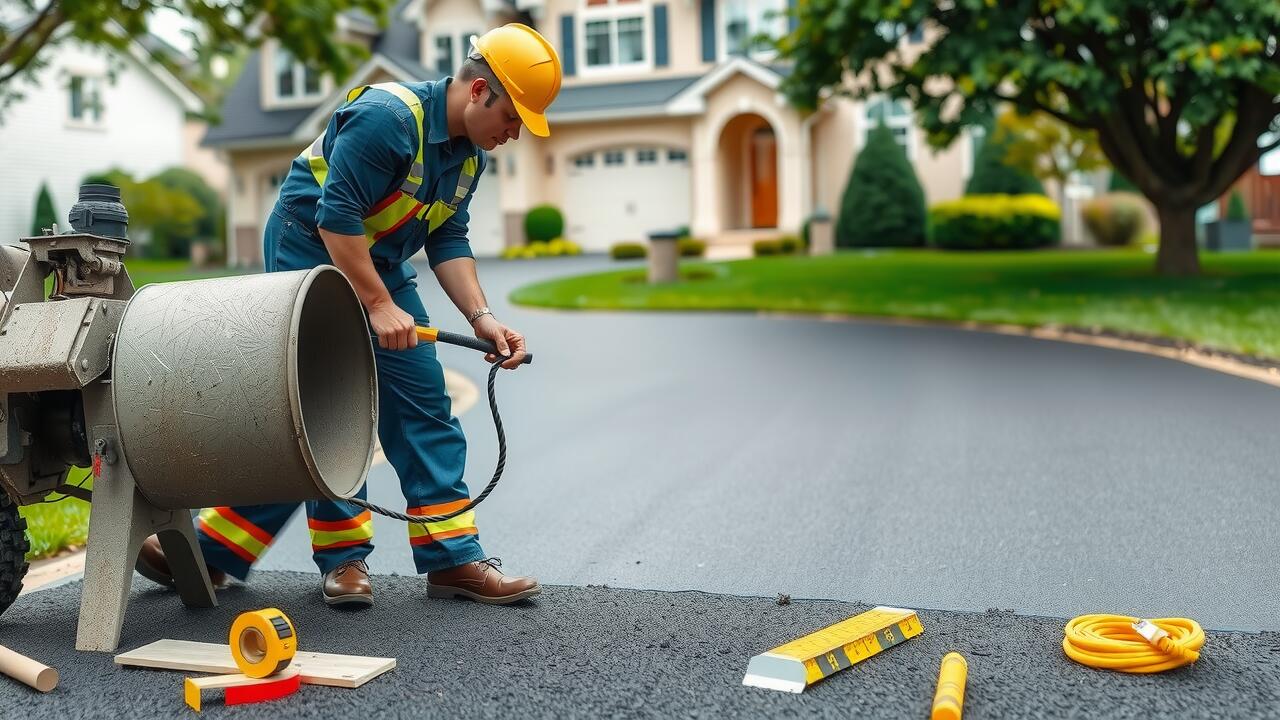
(246, 124)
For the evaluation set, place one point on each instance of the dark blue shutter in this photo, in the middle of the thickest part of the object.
(793, 22)
(660, 54)
(708, 30)
(568, 58)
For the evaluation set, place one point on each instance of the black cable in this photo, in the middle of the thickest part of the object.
(497, 473)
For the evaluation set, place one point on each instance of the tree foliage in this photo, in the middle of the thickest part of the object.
(305, 27)
(1178, 91)
(1041, 145)
(165, 217)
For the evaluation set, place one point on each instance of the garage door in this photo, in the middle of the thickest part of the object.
(624, 193)
(484, 228)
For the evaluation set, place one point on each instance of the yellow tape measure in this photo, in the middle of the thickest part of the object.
(800, 663)
(263, 642)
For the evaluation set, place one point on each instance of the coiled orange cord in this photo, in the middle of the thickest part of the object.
(1132, 645)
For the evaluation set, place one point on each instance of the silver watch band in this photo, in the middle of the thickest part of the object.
(476, 315)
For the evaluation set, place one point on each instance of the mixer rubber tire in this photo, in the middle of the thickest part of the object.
(13, 551)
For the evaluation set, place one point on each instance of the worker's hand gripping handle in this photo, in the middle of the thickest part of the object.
(444, 336)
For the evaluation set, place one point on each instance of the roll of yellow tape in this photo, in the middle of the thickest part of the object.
(263, 642)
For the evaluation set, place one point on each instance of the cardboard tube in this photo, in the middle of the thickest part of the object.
(24, 669)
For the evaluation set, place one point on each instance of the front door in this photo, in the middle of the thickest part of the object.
(764, 179)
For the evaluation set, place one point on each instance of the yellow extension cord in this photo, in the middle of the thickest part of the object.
(1110, 642)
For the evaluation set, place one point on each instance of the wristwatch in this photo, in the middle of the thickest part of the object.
(473, 317)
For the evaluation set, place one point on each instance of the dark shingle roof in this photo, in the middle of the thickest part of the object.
(244, 120)
(242, 115)
(619, 96)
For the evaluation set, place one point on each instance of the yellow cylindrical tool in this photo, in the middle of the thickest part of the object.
(948, 701)
(263, 642)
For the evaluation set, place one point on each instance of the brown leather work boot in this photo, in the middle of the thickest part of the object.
(481, 581)
(348, 584)
(153, 566)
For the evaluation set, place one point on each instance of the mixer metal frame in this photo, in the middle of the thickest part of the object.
(52, 347)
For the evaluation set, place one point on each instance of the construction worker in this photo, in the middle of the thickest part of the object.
(394, 170)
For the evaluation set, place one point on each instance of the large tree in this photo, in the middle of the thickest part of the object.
(305, 27)
(1179, 92)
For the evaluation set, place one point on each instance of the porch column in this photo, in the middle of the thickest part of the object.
(705, 221)
(791, 164)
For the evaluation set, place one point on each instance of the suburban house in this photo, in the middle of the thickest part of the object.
(668, 117)
(86, 111)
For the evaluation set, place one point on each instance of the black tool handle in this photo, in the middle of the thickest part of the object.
(475, 343)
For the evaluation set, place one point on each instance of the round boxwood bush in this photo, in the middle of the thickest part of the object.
(628, 251)
(1115, 219)
(543, 223)
(995, 222)
(764, 248)
(691, 247)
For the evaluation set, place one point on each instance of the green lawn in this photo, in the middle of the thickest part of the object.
(65, 523)
(1233, 306)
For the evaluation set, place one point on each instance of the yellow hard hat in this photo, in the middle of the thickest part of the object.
(528, 68)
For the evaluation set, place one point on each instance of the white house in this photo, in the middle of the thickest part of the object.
(88, 110)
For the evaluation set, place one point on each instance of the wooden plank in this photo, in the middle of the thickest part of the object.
(346, 671)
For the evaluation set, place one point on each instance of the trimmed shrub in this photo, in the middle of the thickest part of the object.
(883, 204)
(556, 247)
(628, 251)
(691, 247)
(1236, 209)
(45, 215)
(992, 176)
(790, 244)
(543, 223)
(1115, 219)
(995, 222)
(764, 248)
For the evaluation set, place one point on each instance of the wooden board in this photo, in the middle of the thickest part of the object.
(347, 671)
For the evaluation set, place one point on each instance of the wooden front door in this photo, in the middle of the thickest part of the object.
(764, 179)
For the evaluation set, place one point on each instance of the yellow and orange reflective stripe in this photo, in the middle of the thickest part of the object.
(464, 524)
(240, 536)
(327, 534)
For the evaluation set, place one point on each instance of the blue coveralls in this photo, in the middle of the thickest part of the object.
(369, 146)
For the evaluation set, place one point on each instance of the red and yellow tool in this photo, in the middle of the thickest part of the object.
(263, 643)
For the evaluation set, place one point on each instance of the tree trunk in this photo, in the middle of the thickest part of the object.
(1177, 255)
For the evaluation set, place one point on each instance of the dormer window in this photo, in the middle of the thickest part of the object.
(293, 80)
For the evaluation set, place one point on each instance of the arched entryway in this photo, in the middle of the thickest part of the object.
(749, 173)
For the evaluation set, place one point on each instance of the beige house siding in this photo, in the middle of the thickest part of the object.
(205, 162)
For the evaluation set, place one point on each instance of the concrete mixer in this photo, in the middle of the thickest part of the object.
(230, 391)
